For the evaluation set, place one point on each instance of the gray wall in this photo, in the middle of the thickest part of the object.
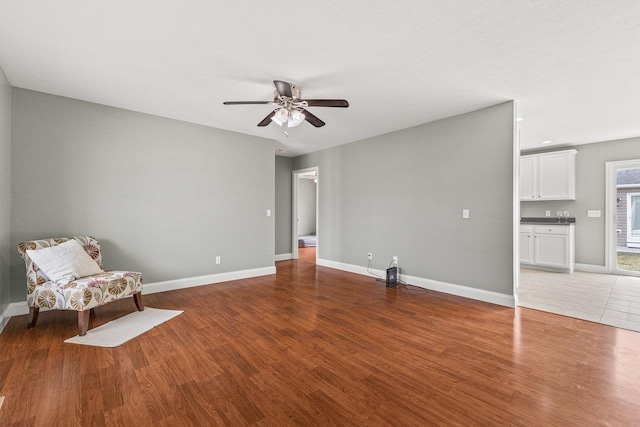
(164, 197)
(283, 204)
(306, 206)
(5, 189)
(403, 193)
(590, 194)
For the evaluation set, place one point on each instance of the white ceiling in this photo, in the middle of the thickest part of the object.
(572, 65)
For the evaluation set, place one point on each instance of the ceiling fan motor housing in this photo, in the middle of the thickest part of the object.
(289, 103)
(295, 94)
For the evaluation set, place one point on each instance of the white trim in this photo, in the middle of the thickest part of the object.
(516, 205)
(631, 239)
(4, 318)
(190, 282)
(609, 217)
(611, 209)
(20, 308)
(449, 288)
(15, 309)
(283, 257)
(591, 268)
(628, 185)
(351, 268)
(294, 209)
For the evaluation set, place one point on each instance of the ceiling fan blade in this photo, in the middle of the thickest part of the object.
(245, 102)
(341, 103)
(267, 120)
(284, 88)
(312, 119)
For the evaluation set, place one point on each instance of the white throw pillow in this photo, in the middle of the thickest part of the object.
(64, 262)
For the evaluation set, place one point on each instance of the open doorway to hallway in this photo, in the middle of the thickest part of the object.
(305, 214)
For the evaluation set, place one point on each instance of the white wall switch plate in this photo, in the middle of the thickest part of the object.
(218, 260)
(465, 213)
(547, 213)
(592, 213)
(268, 212)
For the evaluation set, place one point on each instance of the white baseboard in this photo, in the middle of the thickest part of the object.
(14, 309)
(4, 318)
(351, 268)
(189, 282)
(590, 268)
(284, 257)
(20, 308)
(449, 288)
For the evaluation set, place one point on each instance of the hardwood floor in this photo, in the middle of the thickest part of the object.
(307, 254)
(316, 346)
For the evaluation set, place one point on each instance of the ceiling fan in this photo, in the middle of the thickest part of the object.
(290, 109)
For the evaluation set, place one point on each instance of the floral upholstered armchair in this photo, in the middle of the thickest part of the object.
(78, 293)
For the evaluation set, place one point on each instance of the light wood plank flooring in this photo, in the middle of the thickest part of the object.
(315, 346)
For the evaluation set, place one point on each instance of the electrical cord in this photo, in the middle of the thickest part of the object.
(405, 286)
(370, 272)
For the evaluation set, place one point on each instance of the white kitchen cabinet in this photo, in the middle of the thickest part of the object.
(526, 244)
(548, 176)
(528, 174)
(548, 246)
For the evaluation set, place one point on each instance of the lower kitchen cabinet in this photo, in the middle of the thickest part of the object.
(548, 246)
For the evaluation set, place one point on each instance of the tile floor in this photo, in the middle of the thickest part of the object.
(603, 298)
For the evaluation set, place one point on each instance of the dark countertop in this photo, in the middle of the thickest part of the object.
(548, 221)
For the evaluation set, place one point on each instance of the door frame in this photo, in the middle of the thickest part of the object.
(631, 238)
(611, 216)
(294, 211)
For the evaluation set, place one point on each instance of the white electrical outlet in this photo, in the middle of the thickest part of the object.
(369, 256)
(547, 213)
(594, 213)
(268, 212)
(465, 213)
(395, 260)
(218, 260)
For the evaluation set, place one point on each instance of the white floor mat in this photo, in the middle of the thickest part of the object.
(121, 330)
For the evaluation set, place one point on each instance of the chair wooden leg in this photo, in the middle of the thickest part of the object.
(33, 316)
(83, 322)
(137, 298)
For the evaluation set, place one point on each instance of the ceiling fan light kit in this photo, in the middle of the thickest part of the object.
(291, 107)
(291, 118)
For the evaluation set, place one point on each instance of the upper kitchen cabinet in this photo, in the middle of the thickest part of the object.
(548, 176)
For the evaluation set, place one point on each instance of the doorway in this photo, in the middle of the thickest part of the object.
(305, 214)
(623, 217)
